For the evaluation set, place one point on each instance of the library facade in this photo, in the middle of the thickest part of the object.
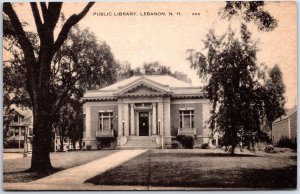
(146, 111)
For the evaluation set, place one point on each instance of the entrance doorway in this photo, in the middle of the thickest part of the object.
(144, 124)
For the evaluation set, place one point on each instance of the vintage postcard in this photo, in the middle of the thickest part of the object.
(150, 95)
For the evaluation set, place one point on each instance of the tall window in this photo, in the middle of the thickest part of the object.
(16, 118)
(186, 119)
(105, 121)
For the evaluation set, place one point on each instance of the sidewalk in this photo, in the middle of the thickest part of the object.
(90, 187)
(80, 174)
(8, 156)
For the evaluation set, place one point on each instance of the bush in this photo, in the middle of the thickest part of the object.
(270, 149)
(186, 141)
(88, 147)
(175, 144)
(285, 142)
(204, 146)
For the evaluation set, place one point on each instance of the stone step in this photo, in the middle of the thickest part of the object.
(141, 138)
(138, 148)
(134, 143)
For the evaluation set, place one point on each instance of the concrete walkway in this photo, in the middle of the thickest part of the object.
(91, 187)
(80, 174)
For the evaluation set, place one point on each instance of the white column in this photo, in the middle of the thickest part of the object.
(88, 122)
(150, 124)
(154, 119)
(160, 116)
(167, 120)
(126, 118)
(120, 119)
(132, 123)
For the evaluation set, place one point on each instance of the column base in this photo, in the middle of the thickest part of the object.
(121, 141)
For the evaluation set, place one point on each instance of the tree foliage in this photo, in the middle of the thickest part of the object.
(153, 68)
(250, 11)
(274, 99)
(233, 85)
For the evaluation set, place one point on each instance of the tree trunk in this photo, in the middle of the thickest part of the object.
(74, 144)
(42, 138)
(80, 143)
(61, 138)
(232, 149)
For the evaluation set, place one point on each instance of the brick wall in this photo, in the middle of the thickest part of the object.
(94, 118)
(197, 117)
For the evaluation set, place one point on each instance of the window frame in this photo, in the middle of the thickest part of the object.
(102, 116)
(190, 113)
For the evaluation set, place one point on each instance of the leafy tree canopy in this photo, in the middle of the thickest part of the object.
(249, 11)
(154, 68)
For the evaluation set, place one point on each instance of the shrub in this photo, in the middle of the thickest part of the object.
(285, 142)
(175, 144)
(186, 141)
(270, 149)
(204, 146)
(88, 147)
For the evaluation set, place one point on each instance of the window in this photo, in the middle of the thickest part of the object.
(186, 119)
(22, 131)
(105, 121)
(16, 118)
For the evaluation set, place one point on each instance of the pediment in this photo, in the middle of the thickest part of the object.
(141, 88)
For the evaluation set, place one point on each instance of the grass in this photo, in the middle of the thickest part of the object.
(14, 170)
(204, 169)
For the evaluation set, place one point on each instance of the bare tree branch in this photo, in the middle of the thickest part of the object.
(37, 17)
(25, 45)
(44, 10)
(20, 33)
(54, 10)
(74, 19)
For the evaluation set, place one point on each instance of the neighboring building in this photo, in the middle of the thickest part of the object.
(285, 126)
(140, 110)
(20, 128)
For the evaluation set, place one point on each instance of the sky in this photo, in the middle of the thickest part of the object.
(139, 39)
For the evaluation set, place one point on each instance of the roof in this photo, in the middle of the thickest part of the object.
(287, 115)
(161, 84)
(24, 111)
(162, 79)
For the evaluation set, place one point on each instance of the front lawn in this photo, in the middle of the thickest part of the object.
(204, 169)
(14, 170)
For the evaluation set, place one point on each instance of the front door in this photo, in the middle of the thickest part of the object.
(144, 124)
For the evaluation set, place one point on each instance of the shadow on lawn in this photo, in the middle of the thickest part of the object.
(186, 155)
(161, 170)
(26, 175)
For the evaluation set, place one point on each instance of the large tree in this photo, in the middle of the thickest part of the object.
(81, 63)
(38, 70)
(233, 85)
(274, 100)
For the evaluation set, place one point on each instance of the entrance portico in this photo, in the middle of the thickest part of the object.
(142, 117)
